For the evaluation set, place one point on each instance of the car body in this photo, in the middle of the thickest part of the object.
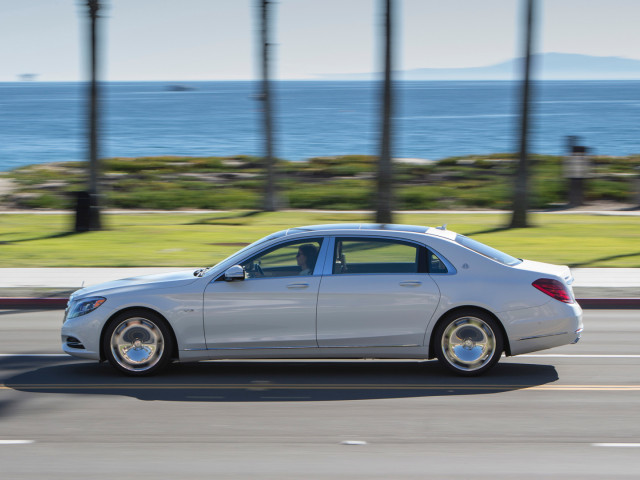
(365, 291)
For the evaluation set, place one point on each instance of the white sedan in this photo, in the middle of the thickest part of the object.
(332, 291)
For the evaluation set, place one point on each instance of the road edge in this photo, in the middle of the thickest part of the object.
(27, 303)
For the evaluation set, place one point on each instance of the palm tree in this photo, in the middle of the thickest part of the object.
(88, 207)
(384, 197)
(270, 203)
(521, 192)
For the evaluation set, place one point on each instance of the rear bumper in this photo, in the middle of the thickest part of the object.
(550, 325)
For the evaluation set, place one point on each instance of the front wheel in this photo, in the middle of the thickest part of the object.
(468, 342)
(138, 343)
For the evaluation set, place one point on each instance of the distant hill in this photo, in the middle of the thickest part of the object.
(547, 66)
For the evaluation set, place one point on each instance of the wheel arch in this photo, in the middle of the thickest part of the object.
(174, 353)
(506, 345)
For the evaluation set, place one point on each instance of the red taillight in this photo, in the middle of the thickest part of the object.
(554, 289)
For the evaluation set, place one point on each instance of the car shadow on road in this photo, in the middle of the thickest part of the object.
(264, 381)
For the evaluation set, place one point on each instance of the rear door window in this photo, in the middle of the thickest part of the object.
(376, 256)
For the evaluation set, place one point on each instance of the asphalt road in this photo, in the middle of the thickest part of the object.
(570, 412)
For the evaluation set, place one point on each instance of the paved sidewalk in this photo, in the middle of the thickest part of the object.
(73, 278)
(597, 208)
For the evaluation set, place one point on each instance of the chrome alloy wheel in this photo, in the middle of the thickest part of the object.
(137, 344)
(468, 343)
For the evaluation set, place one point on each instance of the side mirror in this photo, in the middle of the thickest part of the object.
(234, 273)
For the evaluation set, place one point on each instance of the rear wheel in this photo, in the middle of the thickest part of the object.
(468, 342)
(138, 343)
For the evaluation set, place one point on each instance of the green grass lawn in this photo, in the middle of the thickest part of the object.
(174, 239)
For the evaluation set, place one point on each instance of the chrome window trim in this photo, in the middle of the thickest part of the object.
(370, 346)
(325, 255)
(451, 270)
(285, 240)
(328, 266)
(264, 348)
(311, 347)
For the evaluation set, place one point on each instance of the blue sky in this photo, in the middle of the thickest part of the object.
(215, 39)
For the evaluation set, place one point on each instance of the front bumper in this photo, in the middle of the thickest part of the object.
(80, 336)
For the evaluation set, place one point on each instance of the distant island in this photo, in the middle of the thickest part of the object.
(547, 66)
(28, 77)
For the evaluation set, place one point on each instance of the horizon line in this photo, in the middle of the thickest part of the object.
(336, 80)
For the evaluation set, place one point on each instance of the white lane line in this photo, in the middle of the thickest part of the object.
(16, 442)
(617, 445)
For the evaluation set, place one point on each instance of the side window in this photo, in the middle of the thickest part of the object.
(435, 264)
(285, 260)
(360, 256)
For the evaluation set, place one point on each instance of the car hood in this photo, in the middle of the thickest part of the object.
(164, 280)
(561, 271)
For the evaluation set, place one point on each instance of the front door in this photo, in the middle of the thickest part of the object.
(274, 307)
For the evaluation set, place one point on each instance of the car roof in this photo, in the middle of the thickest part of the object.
(369, 228)
(357, 226)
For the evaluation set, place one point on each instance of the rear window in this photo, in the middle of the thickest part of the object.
(363, 255)
(487, 251)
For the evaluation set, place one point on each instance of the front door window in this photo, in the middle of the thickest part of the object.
(292, 259)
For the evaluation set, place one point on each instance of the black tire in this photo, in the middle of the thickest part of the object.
(468, 342)
(138, 343)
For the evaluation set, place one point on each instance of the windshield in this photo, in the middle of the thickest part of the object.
(487, 251)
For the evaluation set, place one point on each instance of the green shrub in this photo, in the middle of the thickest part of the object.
(338, 182)
(616, 190)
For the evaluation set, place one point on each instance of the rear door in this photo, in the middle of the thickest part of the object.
(378, 294)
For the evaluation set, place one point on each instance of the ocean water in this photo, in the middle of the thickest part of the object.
(46, 122)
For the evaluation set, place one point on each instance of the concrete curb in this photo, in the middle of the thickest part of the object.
(29, 303)
(604, 303)
(42, 303)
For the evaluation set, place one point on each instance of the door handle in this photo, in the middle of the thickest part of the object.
(298, 285)
(410, 284)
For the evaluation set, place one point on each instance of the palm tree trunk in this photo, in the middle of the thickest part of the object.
(270, 204)
(521, 188)
(88, 206)
(384, 197)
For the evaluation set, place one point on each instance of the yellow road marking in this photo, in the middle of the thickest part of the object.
(268, 386)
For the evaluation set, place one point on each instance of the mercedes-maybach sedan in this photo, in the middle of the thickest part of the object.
(332, 291)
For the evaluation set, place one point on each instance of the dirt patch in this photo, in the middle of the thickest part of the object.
(6, 186)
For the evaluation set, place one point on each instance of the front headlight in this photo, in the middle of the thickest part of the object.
(84, 306)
